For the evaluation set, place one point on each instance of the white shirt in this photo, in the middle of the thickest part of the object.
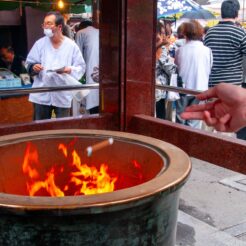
(194, 61)
(67, 55)
(88, 42)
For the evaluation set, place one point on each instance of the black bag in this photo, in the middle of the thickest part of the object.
(180, 83)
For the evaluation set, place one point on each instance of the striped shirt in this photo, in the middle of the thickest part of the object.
(228, 44)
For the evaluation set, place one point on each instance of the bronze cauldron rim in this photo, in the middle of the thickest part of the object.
(174, 175)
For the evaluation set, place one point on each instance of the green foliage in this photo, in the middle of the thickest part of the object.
(83, 80)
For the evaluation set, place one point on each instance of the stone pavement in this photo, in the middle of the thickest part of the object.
(212, 209)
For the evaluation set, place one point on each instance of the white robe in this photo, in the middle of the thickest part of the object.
(67, 55)
(194, 61)
(88, 42)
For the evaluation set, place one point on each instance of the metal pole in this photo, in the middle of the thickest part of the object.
(178, 89)
(24, 91)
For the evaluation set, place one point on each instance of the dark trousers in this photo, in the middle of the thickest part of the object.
(43, 112)
(241, 134)
(94, 110)
(160, 107)
(181, 104)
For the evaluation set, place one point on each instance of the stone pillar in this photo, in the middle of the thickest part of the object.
(127, 58)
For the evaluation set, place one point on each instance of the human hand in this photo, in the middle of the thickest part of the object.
(226, 113)
(65, 70)
(37, 68)
(162, 40)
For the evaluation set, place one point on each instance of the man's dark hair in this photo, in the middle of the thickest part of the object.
(59, 18)
(229, 9)
(7, 47)
(84, 23)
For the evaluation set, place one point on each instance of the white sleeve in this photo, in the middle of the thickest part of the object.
(34, 55)
(78, 63)
(211, 59)
(79, 41)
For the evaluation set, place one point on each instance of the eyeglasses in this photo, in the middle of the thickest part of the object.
(47, 24)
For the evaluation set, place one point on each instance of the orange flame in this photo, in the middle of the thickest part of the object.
(63, 148)
(31, 157)
(48, 184)
(87, 180)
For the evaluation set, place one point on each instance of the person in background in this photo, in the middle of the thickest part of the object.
(238, 24)
(228, 44)
(52, 53)
(205, 30)
(180, 38)
(227, 111)
(95, 74)
(11, 61)
(165, 67)
(194, 62)
(67, 31)
(87, 38)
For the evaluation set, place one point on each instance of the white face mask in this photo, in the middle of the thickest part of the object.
(48, 32)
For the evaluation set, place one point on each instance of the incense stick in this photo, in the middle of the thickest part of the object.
(100, 145)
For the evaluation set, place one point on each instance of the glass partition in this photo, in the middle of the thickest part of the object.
(179, 44)
(77, 65)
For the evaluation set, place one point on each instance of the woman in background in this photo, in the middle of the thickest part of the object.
(194, 62)
(165, 66)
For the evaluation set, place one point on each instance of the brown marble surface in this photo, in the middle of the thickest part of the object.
(103, 121)
(110, 56)
(127, 58)
(140, 61)
(220, 150)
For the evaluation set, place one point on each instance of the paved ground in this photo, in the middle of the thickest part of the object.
(212, 207)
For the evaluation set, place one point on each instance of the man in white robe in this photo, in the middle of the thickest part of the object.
(52, 52)
(88, 41)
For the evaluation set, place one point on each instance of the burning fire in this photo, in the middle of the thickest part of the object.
(82, 180)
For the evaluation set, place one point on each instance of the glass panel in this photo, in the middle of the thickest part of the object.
(179, 44)
(28, 64)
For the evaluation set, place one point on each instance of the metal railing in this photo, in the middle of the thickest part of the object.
(178, 89)
(24, 91)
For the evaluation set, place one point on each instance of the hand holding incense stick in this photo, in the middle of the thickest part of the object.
(99, 145)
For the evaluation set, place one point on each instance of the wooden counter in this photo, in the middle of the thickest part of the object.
(16, 109)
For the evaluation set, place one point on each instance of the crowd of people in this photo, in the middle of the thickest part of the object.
(204, 58)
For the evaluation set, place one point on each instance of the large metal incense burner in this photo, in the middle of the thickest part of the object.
(138, 212)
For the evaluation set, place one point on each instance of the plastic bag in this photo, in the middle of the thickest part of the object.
(171, 95)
